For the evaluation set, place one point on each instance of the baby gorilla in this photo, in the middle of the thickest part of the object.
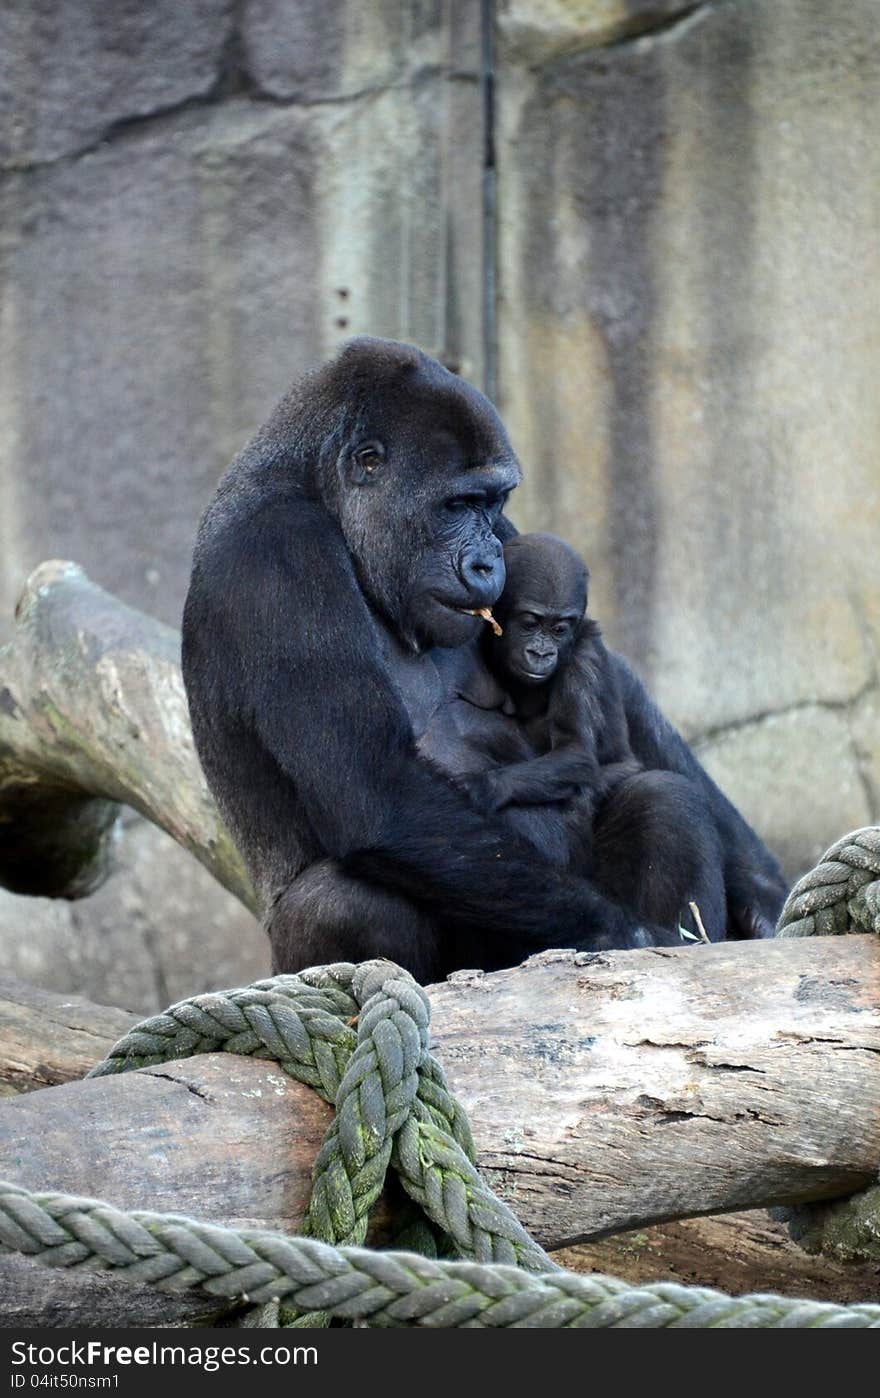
(551, 660)
(647, 838)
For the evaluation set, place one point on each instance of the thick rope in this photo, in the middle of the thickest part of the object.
(842, 893)
(383, 1288)
(847, 1230)
(393, 1107)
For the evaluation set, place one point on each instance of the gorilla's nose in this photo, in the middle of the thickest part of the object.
(481, 568)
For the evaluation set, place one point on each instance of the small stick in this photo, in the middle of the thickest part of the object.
(699, 921)
(486, 614)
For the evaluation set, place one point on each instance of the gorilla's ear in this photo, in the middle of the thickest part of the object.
(360, 463)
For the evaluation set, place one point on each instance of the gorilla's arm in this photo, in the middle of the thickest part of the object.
(553, 776)
(292, 658)
(754, 882)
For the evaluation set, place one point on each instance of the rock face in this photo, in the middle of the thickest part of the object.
(662, 251)
(182, 238)
(159, 930)
(72, 70)
(195, 209)
(689, 279)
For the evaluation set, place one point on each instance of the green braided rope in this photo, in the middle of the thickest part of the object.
(842, 893)
(393, 1105)
(383, 1288)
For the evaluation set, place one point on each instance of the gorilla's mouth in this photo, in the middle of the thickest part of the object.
(533, 676)
(486, 614)
(449, 621)
(455, 608)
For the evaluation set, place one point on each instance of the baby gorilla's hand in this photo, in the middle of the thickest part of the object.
(521, 784)
(485, 791)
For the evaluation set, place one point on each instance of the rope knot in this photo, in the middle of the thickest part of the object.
(842, 893)
(393, 1106)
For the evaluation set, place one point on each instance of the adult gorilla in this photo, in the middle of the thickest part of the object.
(328, 627)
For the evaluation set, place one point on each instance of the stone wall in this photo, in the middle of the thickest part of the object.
(197, 203)
(689, 301)
(663, 255)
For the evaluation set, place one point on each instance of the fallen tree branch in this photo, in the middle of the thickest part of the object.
(46, 1038)
(606, 1092)
(92, 714)
(738, 1253)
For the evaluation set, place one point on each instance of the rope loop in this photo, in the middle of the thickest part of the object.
(359, 1035)
(841, 894)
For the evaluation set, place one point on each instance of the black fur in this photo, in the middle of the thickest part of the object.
(323, 614)
(648, 841)
(551, 659)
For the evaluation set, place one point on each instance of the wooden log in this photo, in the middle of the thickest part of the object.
(738, 1253)
(606, 1092)
(46, 1039)
(92, 714)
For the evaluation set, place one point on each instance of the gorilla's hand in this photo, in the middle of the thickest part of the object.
(480, 791)
(620, 936)
(521, 784)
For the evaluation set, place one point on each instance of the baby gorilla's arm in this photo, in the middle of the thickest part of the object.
(555, 776)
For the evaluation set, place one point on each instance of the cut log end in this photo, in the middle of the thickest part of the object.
(93, 714)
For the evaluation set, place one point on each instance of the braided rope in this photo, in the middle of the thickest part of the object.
(842, 893)
(384, 1288)
(393, 1105)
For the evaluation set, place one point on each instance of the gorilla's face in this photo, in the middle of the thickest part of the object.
(535, 641)
(541, 610)
(421, 483)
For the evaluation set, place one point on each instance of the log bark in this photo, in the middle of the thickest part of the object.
(607, 1092)
(46, 1038)
(738, 1253)
(92, 714)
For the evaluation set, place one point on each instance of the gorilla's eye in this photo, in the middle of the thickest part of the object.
(528, 622)
(369, 457)
(459, 503)
(560, 630)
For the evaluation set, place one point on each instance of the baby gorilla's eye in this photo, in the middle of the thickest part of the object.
(528, 622)
(560, 630)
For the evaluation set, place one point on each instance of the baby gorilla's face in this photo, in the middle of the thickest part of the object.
(536, 640)
(540, 610)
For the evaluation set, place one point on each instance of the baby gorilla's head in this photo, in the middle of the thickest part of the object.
(540, 610)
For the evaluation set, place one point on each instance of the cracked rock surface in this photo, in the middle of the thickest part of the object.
(655, 233)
